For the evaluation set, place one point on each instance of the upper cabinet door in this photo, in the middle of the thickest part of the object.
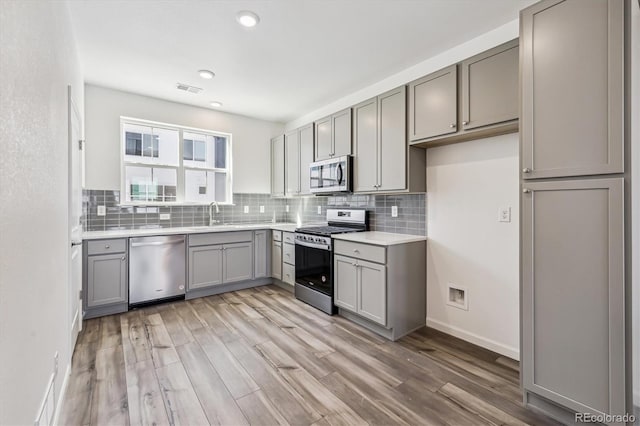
(365, 146)
(277, 166)
(392, 135)
(341, 123)
(305, 134)
(324, 145)
(292, 163)
(490, 87)
(572, 88)
(433, 105)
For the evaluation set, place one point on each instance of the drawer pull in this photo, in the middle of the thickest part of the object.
(123, 258)
(107, 246)
(356, 251)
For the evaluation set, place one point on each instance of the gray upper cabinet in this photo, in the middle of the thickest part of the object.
(333, 135)
(365, 146)
(573, 324)
(305, 137)
(237, 262)
(292, 162)
(490, 87)
(572, 55)
(106, 280)
(341, 129)
(277, 166)
(392, 140)
(433, 105)
(324, 143)
(298, 155)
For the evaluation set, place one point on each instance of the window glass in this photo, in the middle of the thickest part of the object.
(221, 152)
(150, 184)
(151, 145)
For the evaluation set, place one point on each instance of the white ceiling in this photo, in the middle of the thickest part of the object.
(304, 53)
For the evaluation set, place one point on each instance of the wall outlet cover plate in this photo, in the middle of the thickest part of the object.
(102, 211)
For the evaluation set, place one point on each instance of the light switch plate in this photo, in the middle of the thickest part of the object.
(246, 209)
(165, 216)
(319, 209)
(504, 214)
(394, 211)
(261, 209)
(102, 210)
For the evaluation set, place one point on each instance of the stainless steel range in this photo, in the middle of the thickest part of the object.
(314, 256)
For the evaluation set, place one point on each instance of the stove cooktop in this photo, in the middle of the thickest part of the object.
(327, 230)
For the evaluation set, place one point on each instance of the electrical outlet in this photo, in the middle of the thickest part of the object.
(246, 209)
(319, 209)
(102, 210)
(165, 216)
(394, 211)
(504, 214)
(286, 208)
(261, 209)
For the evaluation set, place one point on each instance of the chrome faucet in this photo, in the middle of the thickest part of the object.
(211, 221)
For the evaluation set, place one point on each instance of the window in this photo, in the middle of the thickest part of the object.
(173, 164)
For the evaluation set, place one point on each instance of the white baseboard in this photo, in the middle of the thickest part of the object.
(513, 353)
(63, 392)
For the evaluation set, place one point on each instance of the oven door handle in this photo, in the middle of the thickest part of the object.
(314, 245)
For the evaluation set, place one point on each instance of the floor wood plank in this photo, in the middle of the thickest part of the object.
(259, 356)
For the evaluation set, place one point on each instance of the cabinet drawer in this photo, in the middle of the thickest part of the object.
(277, 235)
(220, 238)
(288, 237)
(360, 251)
(288, 273)
(289, 253)
(106, 246)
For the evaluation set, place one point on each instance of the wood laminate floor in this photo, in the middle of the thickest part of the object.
(261, 357)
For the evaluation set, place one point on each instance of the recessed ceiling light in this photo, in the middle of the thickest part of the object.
(215, 104)
(248, 19)
(206, 74)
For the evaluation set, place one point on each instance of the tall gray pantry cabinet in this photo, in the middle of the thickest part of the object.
(574, 257)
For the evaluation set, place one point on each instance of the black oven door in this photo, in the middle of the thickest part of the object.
(314, 269)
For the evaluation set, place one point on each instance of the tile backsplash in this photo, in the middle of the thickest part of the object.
(411, 211)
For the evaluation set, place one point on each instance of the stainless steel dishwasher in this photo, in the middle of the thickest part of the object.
(156, 268)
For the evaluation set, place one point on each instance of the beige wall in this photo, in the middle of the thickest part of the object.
(251, 150)
(37, 61)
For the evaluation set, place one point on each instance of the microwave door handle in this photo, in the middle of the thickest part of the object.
(339, 175)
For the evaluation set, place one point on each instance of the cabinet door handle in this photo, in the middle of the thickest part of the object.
(107, 246)
(123, 258)
(356, 251)
(526, 190)
(464, 123)
(453, 125)
(526, 170)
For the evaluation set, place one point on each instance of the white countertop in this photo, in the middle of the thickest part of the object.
(379, 238)
(124, 233)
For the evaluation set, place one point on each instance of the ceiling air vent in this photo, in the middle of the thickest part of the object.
(187, 88)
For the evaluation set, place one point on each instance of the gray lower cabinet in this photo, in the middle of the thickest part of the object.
(278, 166)
(381, 288)
(205, 266)
(237, 261)
(573, 323)
(105, 284)
(261, 253)
(276, 255)
(572, 88)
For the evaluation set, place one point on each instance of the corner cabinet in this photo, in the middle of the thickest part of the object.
(105, 272)
(474, 99)
(382, 160)
(363, 274)
(333, 135)
(277, 166)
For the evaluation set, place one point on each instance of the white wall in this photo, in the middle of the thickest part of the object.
(500, 35)
(467, 183)
(38, 60)
(103, 107)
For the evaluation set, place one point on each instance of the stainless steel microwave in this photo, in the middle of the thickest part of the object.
(331, 176)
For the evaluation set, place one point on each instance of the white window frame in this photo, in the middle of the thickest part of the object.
(180, 168)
